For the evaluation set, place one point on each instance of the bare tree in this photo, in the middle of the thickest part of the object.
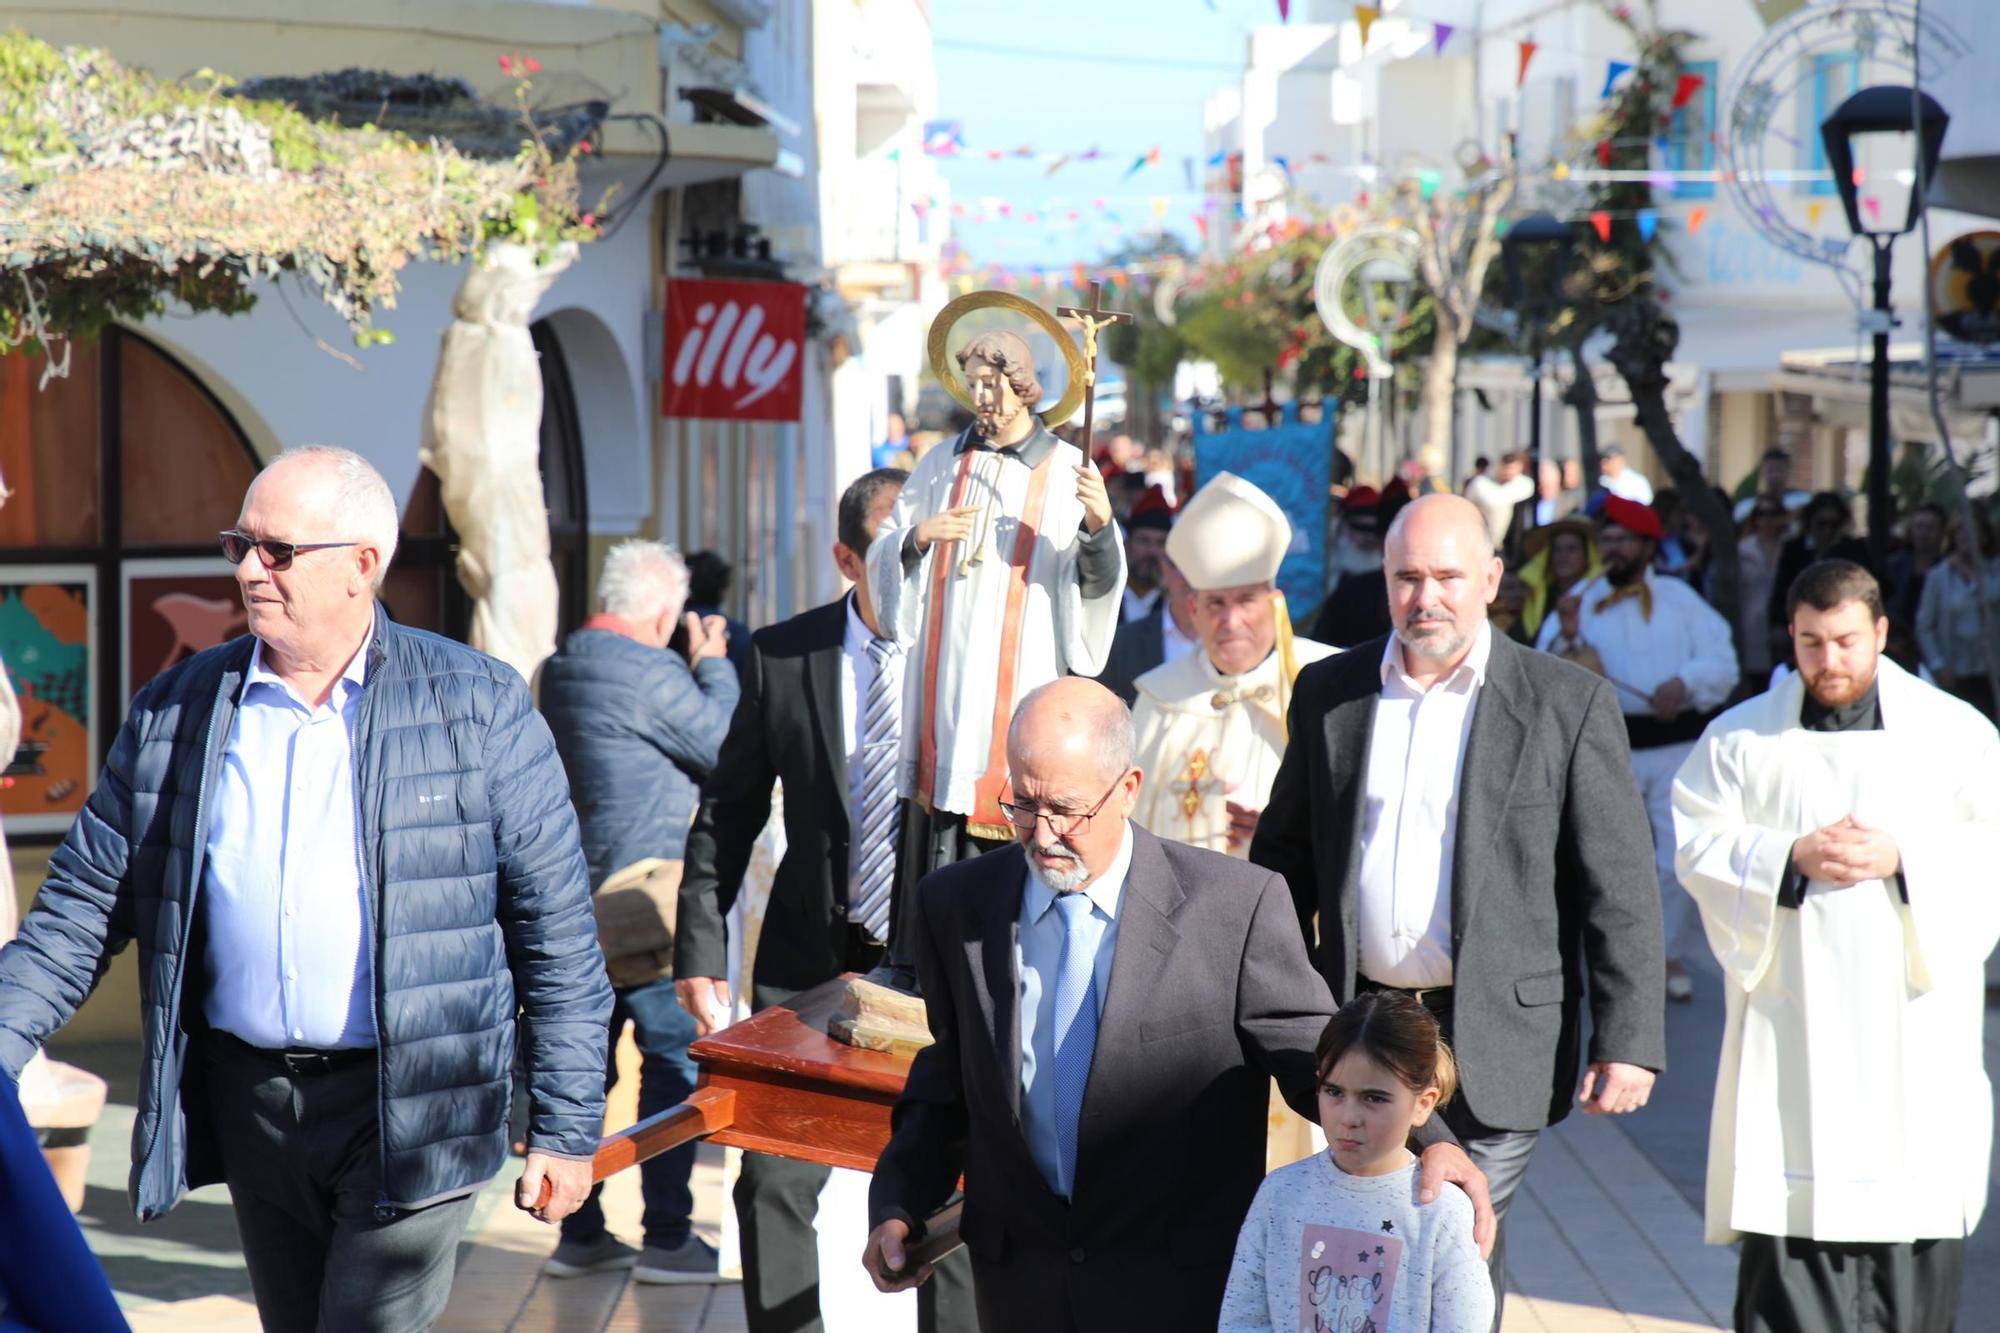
(1646, 337)
(1458, 235)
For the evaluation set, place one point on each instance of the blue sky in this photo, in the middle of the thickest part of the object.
(1123, 75)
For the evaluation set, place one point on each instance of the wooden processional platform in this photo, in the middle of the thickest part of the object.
(777, 1083)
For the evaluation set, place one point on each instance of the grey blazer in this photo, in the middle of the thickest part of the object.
(1211, 995)
(1137, 647)
(1554, 892)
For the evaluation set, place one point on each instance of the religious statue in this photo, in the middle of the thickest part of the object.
(999, 570)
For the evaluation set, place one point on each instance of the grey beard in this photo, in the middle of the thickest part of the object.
(1062, 881)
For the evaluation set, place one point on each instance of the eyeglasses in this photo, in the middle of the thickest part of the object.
(1061, 823)
(276, 555)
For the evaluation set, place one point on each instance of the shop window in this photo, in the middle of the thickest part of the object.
(1834, 79)
(1691, 134)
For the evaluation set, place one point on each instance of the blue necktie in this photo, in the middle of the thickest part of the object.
(875, 876)
(1076, 1031)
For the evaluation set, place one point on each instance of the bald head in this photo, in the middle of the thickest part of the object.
(1430, 516)
(1073, 721)
(1442, 576)
(1069, 755)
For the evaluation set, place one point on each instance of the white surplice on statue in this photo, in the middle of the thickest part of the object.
(998, 571)
(1851, 1105)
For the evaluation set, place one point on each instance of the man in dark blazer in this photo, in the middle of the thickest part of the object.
(801, 720)
(1163, 633)
(1458, 813)
(1104, 1182)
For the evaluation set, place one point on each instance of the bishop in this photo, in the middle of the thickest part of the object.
(1211, 724)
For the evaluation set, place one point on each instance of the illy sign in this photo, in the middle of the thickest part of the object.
(734, 349)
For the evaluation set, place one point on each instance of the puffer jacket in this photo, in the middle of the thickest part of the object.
(478, 910)
(638, 732)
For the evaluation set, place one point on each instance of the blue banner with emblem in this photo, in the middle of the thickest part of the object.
(1292, 462)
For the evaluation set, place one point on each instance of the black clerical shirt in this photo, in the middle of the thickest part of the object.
(1864, 714)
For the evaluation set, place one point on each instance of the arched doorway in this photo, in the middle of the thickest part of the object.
(121, 474)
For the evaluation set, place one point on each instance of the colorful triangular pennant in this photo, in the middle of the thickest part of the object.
(1528, 49)
(1440, 34)
(1365, 15)
(1617, 70)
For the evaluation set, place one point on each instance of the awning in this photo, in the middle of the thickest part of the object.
(711, 152)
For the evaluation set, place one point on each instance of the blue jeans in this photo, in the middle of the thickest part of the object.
(662, 1030)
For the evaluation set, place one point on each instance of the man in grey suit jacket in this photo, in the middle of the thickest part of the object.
(1459, 814)
(1099, 1075)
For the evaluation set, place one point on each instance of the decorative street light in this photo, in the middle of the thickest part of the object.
(1872, 139)
(1536, 252)
(1387, 283)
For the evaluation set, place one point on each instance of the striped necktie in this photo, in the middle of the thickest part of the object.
(876, 802)
(1075, 1031)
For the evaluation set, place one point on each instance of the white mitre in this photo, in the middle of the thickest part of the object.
(1228, 535)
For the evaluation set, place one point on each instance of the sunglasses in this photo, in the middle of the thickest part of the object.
(276, 555)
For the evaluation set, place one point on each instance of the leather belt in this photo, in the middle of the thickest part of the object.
(1434, 998)
(298, 1060)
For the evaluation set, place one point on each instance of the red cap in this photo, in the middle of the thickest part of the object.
(1362, 497)
(1151, 510)
(1635, 518)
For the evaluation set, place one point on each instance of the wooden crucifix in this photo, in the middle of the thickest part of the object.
(1093, 318)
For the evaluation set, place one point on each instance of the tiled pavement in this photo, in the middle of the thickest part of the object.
(1606, 1235)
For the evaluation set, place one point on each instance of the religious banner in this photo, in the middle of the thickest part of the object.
(734, 350)
(46, 614)
(174, 609)
(1292, 462)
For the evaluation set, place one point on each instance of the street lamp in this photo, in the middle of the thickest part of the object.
(1873, 139)
(1387, 283)
(1536, 252)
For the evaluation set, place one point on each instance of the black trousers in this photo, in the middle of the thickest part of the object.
(777, 1199)
(929, 841)
(1788, 1284)
(301, 1152)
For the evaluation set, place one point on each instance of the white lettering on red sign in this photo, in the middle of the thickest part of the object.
(751, 359)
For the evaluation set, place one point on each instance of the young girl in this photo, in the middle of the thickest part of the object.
(1337, 1243)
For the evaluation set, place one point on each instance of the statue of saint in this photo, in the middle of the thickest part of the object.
(999, 570)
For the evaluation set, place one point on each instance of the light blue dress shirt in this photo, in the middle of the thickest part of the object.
(1038, 959)
(288, 957)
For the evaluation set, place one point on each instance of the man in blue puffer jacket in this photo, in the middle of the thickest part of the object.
(347, 854)
(638, 727)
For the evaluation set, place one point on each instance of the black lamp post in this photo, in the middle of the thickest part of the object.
(1873, 139)
(1537, 252)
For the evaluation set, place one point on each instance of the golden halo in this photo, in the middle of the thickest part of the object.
(954, 383)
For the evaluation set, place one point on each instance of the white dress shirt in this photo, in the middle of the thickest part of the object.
(1038, 960)
(288, 952)
(1409, 825)
(1138, 605)
(857, 675)
(1684, 637)
(1631, 484)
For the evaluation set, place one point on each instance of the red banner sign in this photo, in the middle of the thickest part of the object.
(734, 350)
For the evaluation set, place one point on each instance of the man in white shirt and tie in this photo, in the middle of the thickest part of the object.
(1456, 818)
(819, 714)
(1670, 658)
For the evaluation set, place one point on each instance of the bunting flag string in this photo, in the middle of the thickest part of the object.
(1528, 49)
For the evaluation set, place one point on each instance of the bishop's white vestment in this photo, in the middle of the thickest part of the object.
(1205, 739)
(1029, 597)
(1851, 1104)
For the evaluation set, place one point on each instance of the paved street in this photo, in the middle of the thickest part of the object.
(1606, 1237)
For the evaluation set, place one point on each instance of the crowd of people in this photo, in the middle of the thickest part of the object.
(1256, 962)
